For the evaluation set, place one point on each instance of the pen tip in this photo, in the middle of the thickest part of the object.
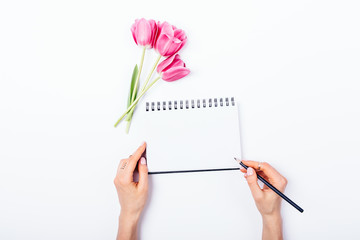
(237, 160)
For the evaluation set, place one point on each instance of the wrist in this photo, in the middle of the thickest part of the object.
(127, 226)
(272, 226)
(272, 218)
(128, 218)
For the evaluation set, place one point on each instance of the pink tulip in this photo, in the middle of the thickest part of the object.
(144, 32)
(172, 68)
(169, 39)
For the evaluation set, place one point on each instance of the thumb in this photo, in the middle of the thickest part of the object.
(251, 179)
(143, 173)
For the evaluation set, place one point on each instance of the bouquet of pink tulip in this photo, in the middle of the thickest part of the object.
(167, 40)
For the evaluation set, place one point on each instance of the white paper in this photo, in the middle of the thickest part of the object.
(193, 138)
(203, 205)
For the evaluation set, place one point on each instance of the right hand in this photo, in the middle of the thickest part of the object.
(266, 200)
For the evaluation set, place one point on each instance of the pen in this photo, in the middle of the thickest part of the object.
(272, 188)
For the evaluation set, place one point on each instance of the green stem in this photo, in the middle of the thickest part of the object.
(152, 71)
(138, 76)
(129, 116)
(136, 101)
(128, 119)
(129, 123)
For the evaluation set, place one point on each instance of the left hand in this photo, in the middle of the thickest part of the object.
(132, 195)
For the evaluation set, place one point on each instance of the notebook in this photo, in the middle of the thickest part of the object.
(193, 134)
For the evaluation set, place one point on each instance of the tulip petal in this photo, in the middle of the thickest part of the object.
(143, 32)
(154, 29)
(175, 73)
(159, 27)
(167, 29)
(177, 62)
(180, 34)
(175, 39)
(164, 64)
(174, 47)
(133, 28)
(163, 44)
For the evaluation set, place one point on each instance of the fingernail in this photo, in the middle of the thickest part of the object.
(250, 171)
(143, 161)
(142, 143)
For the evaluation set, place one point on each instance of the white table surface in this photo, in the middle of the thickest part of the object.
(65, 68)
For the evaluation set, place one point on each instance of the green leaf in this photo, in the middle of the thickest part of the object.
(133, 92)
(132, 85)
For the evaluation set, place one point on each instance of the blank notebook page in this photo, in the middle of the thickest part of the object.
(201, 135)
(198, 205)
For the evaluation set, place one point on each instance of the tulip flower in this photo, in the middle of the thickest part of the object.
(168, 42)
(144, 32)
(169, 39)
(172, 69)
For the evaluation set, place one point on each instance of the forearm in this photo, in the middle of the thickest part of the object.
(127, 228)
(272, 227)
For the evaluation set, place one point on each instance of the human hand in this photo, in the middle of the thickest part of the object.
(132, 195)
(267, 201)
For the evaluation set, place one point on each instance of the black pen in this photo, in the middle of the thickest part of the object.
(272, 188)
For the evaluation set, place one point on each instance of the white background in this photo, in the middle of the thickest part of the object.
(65, 68)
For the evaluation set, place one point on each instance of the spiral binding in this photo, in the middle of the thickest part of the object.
(189, 104)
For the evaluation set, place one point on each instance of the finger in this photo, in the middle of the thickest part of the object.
(121, 164)
(262, 174)
(266, 168)
(143, 174)
(119, 178)
(262, 185)
(251, 179)
(242, 169)
(130, 167)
